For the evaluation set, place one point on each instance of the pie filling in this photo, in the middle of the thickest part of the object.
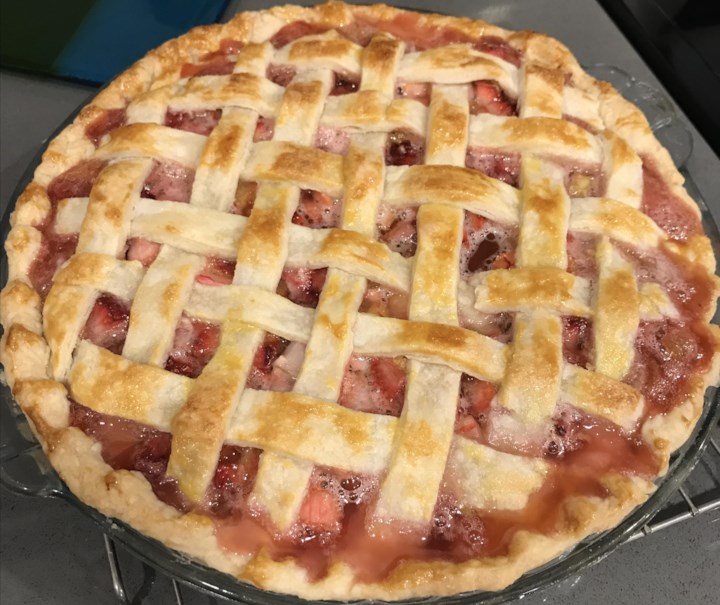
(336, 520)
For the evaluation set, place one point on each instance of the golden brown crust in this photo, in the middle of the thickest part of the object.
(126, 495)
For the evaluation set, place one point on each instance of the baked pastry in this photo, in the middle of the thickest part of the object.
(353, 302)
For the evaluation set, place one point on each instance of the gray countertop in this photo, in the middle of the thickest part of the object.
(51, 553)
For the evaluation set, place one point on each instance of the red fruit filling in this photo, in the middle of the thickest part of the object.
(245, 195)
(490, 98)
(344, 84)
(295, 30)
(420, 91)
(473, 406)
(687, 285)
(216, 272)
(494, 325)
(219, 62)
(132, 446)
(334, 140)
(218, 65)
(54, 251)
(397, 227)
(486, 245)
(317, 210)
(76, 181)
(200, 122)
(670, 356)
(194, 345)
(143, 250)
(169, 181)
(581, 254)
(374, 384)
(302, 285)
(233, 481)
(502, 166)
(385, 302)
(105, 123)
(582, 123)
(276, 364)
(674, 216)
(501, 49)
(108, 323)
(404, 149)
(577, 341)
(321, 513)
(281, 75)
(264, 129)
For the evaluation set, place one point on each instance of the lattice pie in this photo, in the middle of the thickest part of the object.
(352, 302)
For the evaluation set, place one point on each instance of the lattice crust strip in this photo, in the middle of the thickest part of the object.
(417, 455)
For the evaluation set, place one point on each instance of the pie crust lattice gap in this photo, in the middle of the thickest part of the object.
(558, 128)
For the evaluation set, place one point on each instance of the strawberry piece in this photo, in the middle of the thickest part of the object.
(295, 30)
(216, 272)
(402, 237)
(169, 181)
(420, 91)
(302, 285)
(108, 121)
(54, 251)
(107, 324)
(467, 426)
(344, 84)
(264, 129)
(479, 394)
(228, 47)
(404, 149)
(143, 250)
(218, 65)
(320, 509)
(385, 302)
(489, 98)
(281, 75)
(200, 122)
(372, 384)
(502, 166)
(473, 406)
(577, 340)
(334, 140)
(506, 260)
(236, 469)
(473, 223)
(194, 345)
(389, 378)
(76, 181)
(261, 374)
(244, 198)
(499, 48)
(317, 210)
(321, 513)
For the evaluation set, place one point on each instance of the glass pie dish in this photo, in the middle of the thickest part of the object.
(24, 469)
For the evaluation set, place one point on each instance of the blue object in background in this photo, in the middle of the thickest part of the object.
(108, 36)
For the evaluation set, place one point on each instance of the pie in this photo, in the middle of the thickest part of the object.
(353, 302)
